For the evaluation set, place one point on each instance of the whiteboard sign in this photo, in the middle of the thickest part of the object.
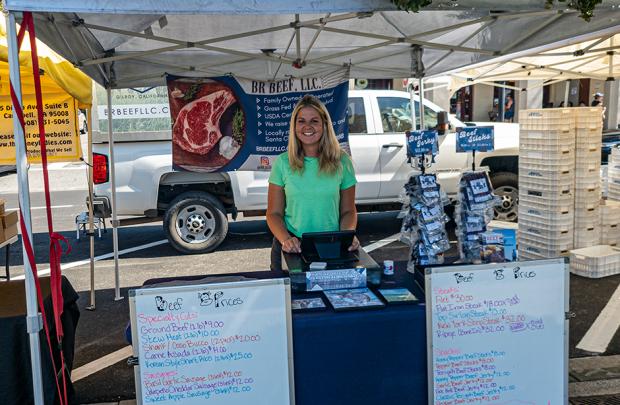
(226, 343)
(498, 333)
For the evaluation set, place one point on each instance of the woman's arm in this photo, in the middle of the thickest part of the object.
(275, 219)
(348, 214)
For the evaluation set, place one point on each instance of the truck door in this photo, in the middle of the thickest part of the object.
(395, 118)
(364, 149)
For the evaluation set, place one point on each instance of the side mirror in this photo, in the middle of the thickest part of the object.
(442, 122)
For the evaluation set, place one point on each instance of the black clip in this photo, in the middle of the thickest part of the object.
(133, 361)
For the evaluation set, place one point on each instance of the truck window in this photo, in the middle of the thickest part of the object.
(356, 116)
(396, 114)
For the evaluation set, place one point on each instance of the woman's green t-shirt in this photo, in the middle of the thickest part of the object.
(312, 199)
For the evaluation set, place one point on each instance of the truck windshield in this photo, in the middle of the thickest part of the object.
(396, 114)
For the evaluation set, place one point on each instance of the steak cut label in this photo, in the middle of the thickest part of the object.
(223, 124)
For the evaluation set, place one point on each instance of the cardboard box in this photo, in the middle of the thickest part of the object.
(8, 218)
(2, 202)
(8, 233)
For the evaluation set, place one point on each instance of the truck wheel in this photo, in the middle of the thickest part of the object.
(196, 222)
(506, 186)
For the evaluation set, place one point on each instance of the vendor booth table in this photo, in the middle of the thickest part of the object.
(366, 356)
(15, 373)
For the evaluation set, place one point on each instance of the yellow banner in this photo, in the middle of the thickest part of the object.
(61, 133)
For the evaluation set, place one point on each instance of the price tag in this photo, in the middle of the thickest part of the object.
(479, 139)
(420, 143)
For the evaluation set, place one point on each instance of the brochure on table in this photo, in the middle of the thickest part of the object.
(498, 333)
(223, 343)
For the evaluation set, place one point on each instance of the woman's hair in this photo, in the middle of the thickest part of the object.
(330, 152)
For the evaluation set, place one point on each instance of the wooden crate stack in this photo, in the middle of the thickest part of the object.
(588, 137)
(546, 183)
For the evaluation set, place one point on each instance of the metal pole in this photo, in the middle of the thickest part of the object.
(33, 319)
(421, 92)
(91, 233)
(566, 91)
(117, 289)
(412, 103)
(502, 104)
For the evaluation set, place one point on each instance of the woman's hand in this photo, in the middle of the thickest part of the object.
(355, 244)
(291, 245)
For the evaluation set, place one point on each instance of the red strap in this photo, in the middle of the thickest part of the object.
(55, 238)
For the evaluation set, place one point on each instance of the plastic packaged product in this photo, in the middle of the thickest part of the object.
(474, 210)
(424, 223)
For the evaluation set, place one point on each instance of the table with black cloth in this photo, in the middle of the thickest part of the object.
(15, 367)
(365, 356)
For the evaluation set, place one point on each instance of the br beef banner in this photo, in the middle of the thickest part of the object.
(224, 123)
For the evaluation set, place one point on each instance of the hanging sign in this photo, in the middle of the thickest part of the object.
(469, 139)
(420, 143)
(223, 123)
(61, 133)
(497, 334)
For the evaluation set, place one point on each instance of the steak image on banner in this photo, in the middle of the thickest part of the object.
(208, 127)
(224, 124)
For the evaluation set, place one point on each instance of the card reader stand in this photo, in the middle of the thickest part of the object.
(293, 264)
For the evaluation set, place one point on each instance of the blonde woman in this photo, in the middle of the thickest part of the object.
(312, 185)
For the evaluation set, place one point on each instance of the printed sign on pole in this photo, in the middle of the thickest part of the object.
(61, 134)
(469, 139)
(223, 123)
(420, 143)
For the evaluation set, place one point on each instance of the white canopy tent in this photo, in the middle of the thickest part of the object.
(588, 59)
(124, 44)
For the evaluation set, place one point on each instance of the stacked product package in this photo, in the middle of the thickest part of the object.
(588, 137)
(424, 223)
(474, 210)
(546, 183)
(613, 174)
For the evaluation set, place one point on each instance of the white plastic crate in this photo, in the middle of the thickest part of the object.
(538, 164)
(545, 237)
(542, 146)
(610, 212)
(564, 175)
(534, 203)
(543, 227)
(547, 217)
(537, 250)
(538, 207)
(566, 182)
(610, 234)
(557, 192)
(595, 261)
(588, 117)
(556, 158)
(558, 136)
(591, 132)
(587, 165)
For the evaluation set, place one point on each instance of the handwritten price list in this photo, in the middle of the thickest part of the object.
(181, 339)
(474, 377)
(484, 324)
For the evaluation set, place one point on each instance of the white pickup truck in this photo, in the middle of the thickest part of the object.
(194, 206)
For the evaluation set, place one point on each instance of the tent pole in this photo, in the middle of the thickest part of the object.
(91, 234)
(421, 93)
(117, 290)
(33, 318)
(412, 102)
(566, 91)
(502, 104)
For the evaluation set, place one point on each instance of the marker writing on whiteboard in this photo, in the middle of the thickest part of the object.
(463, 278)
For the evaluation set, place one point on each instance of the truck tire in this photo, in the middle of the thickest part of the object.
(196, 222)
(506, 186)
